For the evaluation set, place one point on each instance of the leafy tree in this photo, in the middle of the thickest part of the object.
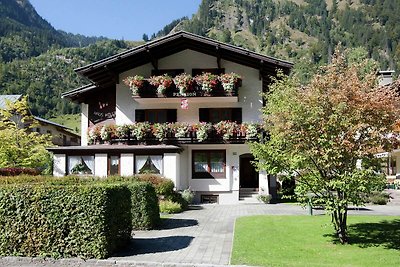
(319, 132)
(19, 145)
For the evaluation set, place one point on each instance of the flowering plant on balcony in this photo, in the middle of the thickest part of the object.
(251, 130)
(94, 134)
(207, 81)
(162, 83)
(135, 83)
(230, 81)
(184, 82)
(161, 130)
(227, 129)
(140, 130)
(108, 132)
(123, 131)
(181, 129)
(202, 130)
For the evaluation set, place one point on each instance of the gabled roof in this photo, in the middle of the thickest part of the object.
(8, 98)
(12, 98)
(104, 71)
(40, 120)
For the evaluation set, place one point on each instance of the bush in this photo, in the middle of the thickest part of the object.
(87, 220)
(264, 198)
(378, 198)
(168, 206)
(145, 209)
(188, 196)
(18, 171)
(163, 186)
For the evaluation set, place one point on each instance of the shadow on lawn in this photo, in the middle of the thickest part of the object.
(384, 233)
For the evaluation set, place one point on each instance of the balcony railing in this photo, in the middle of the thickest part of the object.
(175, 133)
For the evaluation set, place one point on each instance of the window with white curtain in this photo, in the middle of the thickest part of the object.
(81, 165)
(208, 164)
(149, 164)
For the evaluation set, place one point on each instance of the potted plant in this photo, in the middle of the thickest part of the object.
(181, 129)
(94, 135)
(207, 82)
(227, 129)
(162, 83)
(140, 130)
(202, 130)
(230, 82)
(123, 131)
(136, 84)
(108, 132)
(251, 130)
(184, 82)
(161, 130)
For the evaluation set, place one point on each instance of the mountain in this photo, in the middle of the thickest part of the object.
(38, 61)
(303, 31)
(24, 34)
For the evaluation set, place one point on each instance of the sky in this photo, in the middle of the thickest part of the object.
(116, 19)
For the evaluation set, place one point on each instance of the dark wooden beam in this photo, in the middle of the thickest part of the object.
(153, 60)
(113, 76)
(218, 56)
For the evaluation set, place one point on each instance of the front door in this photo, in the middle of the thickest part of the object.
(248, 173)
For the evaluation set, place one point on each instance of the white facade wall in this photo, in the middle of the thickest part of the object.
(59, 165)
(84, 123)
(127, 164)
(100, 165)
(171, 167)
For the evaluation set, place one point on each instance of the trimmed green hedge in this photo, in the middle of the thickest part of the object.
(72, 216)
(145, 209)
(90, 221)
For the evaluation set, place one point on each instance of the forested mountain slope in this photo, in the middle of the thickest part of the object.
(304, 31)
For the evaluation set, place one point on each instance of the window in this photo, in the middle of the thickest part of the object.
(149, 164)
(155, 115)
(208, 164)
(80, 165)
(215, 115)
(113, 165)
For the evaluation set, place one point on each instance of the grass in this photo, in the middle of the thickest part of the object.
(72, 121)
(308, 241)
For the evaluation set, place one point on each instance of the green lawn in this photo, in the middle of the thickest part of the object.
(308, 241)
(72, 121)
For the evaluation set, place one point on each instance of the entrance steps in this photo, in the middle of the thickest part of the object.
(248, 195)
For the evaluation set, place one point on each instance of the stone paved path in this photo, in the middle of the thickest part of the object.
(201, 236)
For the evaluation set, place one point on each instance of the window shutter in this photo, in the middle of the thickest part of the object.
(139, 115)
(237, 115)
(171, 115)
(204, 115)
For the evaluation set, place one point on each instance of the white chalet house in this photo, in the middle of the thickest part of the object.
(194, 136)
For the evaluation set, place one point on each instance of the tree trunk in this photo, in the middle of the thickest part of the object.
(339, 219)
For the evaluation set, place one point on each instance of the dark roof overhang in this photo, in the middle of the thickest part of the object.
(102, 71)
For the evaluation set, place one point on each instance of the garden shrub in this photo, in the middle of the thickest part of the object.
(378, 198)
(145, 209)
(163, 186)
(188, 195)
(18, 171)
(168, 206)
(86, 220)
(265, 198)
